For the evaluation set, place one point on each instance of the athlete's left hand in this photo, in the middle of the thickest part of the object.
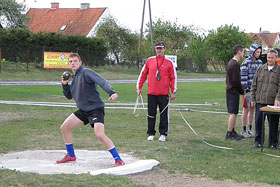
(113, 97)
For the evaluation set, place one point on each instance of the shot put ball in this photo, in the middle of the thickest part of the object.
(66, 75)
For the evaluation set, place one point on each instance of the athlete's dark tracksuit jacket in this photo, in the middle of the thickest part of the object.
(84, 89)
(158, 91)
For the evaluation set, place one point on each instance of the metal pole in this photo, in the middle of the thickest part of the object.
(141, 35)
(0, 59)
(151, 29)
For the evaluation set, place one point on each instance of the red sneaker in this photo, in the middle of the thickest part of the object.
(67, 158)
(119, 163)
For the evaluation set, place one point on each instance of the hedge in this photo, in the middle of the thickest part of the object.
(24, 46)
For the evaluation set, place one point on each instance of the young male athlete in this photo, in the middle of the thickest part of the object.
(90, 107)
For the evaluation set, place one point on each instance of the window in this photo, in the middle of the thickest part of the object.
(62, 28)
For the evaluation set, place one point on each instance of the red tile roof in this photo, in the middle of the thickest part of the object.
(77, 21)
(255, 36)
(268, 39)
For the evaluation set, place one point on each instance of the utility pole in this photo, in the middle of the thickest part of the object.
(141, 33)
(151, 29)
(140, 37)
(0, 59)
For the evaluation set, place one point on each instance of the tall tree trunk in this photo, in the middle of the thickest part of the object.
(27, 60)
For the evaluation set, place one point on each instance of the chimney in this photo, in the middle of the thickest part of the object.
(84, 6)
(54, 5)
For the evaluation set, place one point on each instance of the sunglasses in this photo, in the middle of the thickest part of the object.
(273, 51)
(159, 48)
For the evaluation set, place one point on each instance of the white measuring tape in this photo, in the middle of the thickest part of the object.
(215, 146)
(137, 102)
(219, 147)
(271, 155)
(276, 156)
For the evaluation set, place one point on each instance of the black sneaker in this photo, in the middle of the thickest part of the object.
(228, 135)
(232, 136)
(274, 147)
(257, 145)
(235, 134)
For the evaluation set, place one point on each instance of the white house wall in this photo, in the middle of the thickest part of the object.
(105, 15)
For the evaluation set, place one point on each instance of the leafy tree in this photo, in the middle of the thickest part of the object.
(129, 54)
(221, 42)
(198, 52)
(173, 35)
(121, 43)
(11, 14)
(176, 38)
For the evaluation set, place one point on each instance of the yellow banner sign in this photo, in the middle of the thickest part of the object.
(56, 60)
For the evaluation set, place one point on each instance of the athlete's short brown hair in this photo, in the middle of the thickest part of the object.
(75, 55)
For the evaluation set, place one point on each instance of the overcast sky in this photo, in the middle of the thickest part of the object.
(249, 15)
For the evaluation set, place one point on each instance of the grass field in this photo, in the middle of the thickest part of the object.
(34, 127)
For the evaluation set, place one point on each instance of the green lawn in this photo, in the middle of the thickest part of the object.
(34, 127)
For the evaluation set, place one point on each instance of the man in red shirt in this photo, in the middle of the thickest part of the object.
(162, 78)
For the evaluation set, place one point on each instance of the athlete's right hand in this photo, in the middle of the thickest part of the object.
(139, 92)
(64, 82)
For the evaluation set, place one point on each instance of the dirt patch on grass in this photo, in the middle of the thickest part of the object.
(6, 116)
(9, 116)
(161, 178)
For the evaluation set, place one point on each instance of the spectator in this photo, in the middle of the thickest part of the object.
(248, 70)
(233, 89)
(266, 91)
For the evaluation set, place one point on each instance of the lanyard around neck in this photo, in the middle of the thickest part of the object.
(158, 67)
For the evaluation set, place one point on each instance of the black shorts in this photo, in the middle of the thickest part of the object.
(232, 103)
(92, 117)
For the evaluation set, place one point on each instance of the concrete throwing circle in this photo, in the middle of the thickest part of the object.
(93, 162)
